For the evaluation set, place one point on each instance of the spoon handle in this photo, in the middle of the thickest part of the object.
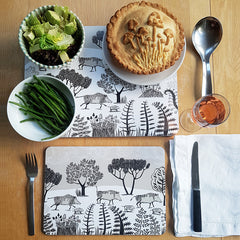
(207, 80)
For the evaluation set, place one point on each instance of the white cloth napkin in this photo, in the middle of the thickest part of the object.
(219, 167)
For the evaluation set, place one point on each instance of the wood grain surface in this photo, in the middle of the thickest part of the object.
(225, 63)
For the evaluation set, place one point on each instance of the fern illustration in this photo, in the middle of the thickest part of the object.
(104, 219)
(88, 221)
(48, 225)
(127, 119)
(146, 224)
(173, 97)
(166, 123)
(154, 226)
(141, 223)
(121, 225)
(163, 222)
(79, 128)
(146, 119)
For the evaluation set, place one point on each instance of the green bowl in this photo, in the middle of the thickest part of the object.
(22, 41)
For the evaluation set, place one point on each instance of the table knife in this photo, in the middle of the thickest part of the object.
(197, 218)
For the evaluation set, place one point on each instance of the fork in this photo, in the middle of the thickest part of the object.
(32, 171)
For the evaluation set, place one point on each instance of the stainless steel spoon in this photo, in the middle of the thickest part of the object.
(206, 36)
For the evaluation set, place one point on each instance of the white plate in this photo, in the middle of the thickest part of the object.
(138, 79)
(31, 130)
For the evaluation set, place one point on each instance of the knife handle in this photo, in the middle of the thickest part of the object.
(197, 218)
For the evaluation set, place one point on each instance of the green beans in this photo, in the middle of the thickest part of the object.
(45, 105)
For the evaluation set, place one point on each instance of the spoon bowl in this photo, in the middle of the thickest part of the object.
(206, 36)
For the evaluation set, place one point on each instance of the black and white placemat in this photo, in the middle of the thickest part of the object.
(107, 106)
(104, 191)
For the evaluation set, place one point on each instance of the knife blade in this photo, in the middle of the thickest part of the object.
(197, 218)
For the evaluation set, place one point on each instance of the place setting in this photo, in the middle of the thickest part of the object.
(120, 80)
(205, 167)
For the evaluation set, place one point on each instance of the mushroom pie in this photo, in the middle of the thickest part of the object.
(144, 38)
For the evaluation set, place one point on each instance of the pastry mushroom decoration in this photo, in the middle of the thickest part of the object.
(132, 24)
(155, 20)
(142, 33)
(148, 48)
(169, 34)
(129, 36)
(133, 32)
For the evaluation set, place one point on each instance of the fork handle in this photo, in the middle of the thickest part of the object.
(31, 208)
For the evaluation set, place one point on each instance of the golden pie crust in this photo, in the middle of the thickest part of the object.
(144, 38)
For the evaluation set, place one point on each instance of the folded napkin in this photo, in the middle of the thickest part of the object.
(219, 169)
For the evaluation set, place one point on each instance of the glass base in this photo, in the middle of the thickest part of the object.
(187, 123)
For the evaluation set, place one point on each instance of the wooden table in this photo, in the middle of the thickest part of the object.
(225, 73)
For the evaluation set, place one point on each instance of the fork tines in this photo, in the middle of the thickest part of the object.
(31, 161)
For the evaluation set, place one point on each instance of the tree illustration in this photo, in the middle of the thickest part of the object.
(127, 119)
(146, 119)
(166, 123)
(51, 179)
(121, 224)
(98, 38)
(158, 181)
(77, 82)
(113, 84)
(86, 174)
(121, 167)
(79, 128)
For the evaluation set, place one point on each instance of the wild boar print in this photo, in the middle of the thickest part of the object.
(65, 200)
(97, 98)
(92, 62)
(109, 195)
(147, 198)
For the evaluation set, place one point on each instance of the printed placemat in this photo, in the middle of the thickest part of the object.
(107, 106)
(104, 191)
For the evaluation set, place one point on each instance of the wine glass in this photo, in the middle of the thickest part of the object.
(209, 111)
